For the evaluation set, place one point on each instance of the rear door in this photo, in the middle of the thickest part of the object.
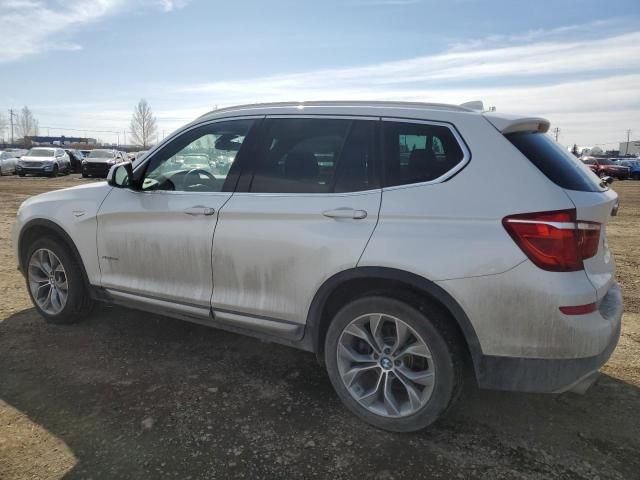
(304, 213)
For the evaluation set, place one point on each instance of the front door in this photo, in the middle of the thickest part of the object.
(154, 243)
(306, 213)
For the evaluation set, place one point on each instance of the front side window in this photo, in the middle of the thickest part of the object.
(199, 160)
(316, 155)
(416, 152)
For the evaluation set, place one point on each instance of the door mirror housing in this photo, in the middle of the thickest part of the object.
(120, 175)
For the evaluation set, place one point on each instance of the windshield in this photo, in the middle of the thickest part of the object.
(101, 154)
(40, 152)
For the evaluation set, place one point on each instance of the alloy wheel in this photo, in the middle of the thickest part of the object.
(385, 365)
(48, 281)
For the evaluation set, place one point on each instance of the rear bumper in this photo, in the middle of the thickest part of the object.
(553, 375)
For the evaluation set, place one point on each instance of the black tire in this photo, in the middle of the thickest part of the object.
(79, 301)
(84, 175)
(21, 174)
(54, 173)
(442, 341)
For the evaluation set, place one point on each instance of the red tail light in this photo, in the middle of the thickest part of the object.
(554, 241)
(579, 309)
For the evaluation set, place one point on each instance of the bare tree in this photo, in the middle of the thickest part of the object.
(143, 125)
(27, 125)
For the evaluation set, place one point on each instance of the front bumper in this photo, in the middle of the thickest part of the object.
(96, 169)
(546, 375)
(30, 170)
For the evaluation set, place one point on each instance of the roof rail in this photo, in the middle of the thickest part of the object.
(339, 103)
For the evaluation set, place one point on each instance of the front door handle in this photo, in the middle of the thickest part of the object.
(345, 213)
(199, 210)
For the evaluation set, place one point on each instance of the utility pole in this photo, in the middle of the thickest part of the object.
(11, 115)
(626, 150)
(556, 133)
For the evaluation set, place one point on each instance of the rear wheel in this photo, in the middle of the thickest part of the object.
(55, 282)
(391, 364)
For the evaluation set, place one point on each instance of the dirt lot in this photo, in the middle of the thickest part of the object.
(132, 395)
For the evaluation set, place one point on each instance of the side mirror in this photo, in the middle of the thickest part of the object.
(120, 175)
(608, 180)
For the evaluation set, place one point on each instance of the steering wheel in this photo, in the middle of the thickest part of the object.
(198, 172)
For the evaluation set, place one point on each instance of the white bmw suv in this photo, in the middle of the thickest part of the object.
(404, 243)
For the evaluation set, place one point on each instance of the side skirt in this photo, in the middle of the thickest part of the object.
(263, 328)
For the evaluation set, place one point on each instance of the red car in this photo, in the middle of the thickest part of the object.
(603, 167)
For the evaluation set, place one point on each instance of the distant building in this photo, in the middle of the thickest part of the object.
(62, 140)
(631, 148)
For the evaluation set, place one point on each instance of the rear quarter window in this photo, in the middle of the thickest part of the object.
(558, 165)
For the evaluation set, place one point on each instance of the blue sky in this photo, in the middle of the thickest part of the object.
(83, 64)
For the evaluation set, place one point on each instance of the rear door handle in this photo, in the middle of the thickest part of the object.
(199, 210)
(345, 213)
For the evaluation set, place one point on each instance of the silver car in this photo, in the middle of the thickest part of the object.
(8, 163)
(373, 234)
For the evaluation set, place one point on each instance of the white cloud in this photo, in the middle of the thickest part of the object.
(538, 59)
(566, 81)
(28, 27)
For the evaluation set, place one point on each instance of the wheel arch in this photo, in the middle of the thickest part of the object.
(356, 282)
(33, 229)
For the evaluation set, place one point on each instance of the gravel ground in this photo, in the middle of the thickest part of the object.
(133, 395)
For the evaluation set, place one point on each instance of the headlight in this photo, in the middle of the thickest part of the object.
(84, 162)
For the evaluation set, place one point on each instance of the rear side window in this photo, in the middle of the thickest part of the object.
(416, 152)
(559, 166)
(303, 155)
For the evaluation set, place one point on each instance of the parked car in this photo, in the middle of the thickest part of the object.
(48, 161)
(603, 167)
(633, 166)
(16, 152)
(100, 160)
(358, 259)
(8, 163)
(76, 158)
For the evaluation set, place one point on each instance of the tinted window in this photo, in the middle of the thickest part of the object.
(199, 160)
(559, 166)
(417, 153)
(315, 156)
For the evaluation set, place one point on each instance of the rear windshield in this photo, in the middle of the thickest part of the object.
(560, 166)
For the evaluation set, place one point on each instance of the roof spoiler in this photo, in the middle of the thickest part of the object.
(512, 123)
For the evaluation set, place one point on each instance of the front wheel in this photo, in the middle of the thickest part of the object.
(392, 365)
(54, 172)
(55, 282)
